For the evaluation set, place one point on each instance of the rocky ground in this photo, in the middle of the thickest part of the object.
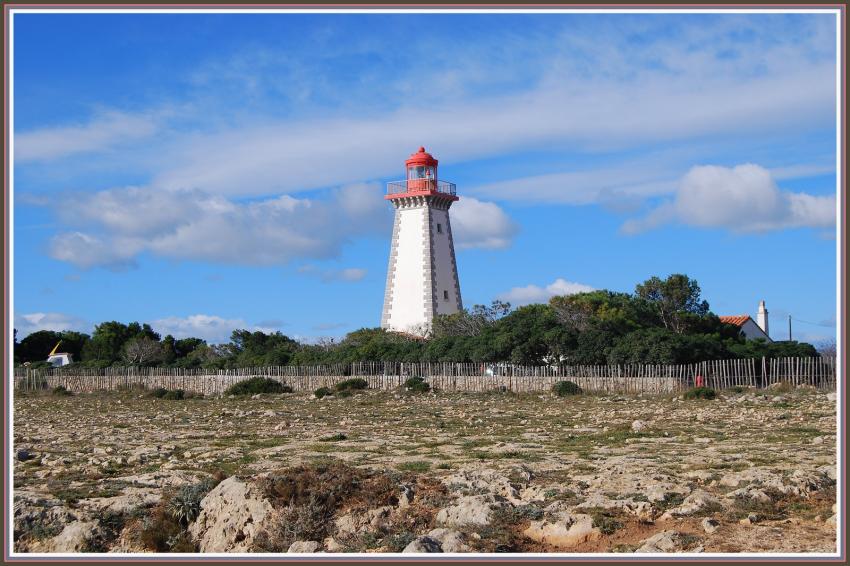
(752, 471)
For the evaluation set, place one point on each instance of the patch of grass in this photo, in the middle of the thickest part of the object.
(604, 520)
(334, 438)
(415, 466)
(257, 385)
(61, 391)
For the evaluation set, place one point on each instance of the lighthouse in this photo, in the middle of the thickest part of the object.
(422, 273)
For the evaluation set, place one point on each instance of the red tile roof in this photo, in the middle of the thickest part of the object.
(737, 320)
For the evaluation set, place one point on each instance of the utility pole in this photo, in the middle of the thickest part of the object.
(789, 327)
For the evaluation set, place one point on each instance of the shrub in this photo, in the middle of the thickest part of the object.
(256, 385)
(322, 392)
(334, 437)
(185, 505)
(174, 395)
(700, 393)
(60, 391)
(736, 389)
(355, 383)
(564, 388)
(159, 392)
(417, 385)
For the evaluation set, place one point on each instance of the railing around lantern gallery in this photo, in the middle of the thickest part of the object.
(420, 186)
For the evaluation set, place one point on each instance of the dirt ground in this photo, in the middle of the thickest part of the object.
(81, 456)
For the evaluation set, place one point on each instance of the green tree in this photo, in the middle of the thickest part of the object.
(675, 298)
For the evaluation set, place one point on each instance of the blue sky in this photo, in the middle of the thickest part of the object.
(203, 172)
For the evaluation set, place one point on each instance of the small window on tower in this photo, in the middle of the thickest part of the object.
(445, 295)
(439, 228)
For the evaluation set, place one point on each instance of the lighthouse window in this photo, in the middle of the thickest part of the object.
(439, 228)
(445, 295)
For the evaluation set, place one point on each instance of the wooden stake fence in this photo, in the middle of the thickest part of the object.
(819, 372)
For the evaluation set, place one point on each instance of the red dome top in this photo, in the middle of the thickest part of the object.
(421, 157)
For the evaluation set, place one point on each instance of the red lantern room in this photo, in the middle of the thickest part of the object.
(421, 179)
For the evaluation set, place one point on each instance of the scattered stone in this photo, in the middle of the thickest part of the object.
(710, 525)
(639, 426)
(696, 501)
(24, 455)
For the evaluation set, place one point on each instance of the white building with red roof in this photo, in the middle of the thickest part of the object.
(749, 327)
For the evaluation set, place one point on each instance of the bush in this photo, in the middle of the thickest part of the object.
(174, 395)
(322, 392)
(60, 391)
(169, 394)
(417, 385)
(564, 388)
(355, 383)
(700, 393)
(257, 385)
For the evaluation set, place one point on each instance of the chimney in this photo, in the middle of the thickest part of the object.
(762, 318)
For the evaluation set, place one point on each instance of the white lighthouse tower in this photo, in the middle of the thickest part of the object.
(422, 274)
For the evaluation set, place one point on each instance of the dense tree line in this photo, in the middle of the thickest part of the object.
(664, 321)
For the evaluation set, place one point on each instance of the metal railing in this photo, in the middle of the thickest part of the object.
(421, 186)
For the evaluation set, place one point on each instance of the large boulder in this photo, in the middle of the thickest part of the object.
(76, 537)
(470, 510)
(304, 547)
(423, 544)
(567, 531)
(231, 516)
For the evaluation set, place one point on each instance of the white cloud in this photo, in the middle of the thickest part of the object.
(479, 224)
(519, 296)
(122, 223)
(105, 131)
(28, 323)
(742, 199)
(327, 275)
(213, 329)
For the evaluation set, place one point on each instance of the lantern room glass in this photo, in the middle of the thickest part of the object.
(422, 172)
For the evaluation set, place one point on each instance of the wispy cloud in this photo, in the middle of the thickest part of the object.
(107, 130)
(212, 328)
(741, 199)
(328, 275)
(519, 296)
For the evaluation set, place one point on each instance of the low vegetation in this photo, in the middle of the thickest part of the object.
(700, 393)
(417, 385)
(257, 385)
(566, 388)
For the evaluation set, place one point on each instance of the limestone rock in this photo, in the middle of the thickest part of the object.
(450, 540)
(423, 544)
(567, 531)
(470, 510)
(639, 426)
(696, 501)
(665, 541)
(352, 523)
(74, 537)
(231, 516)
(304, 546)
(710, 525)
